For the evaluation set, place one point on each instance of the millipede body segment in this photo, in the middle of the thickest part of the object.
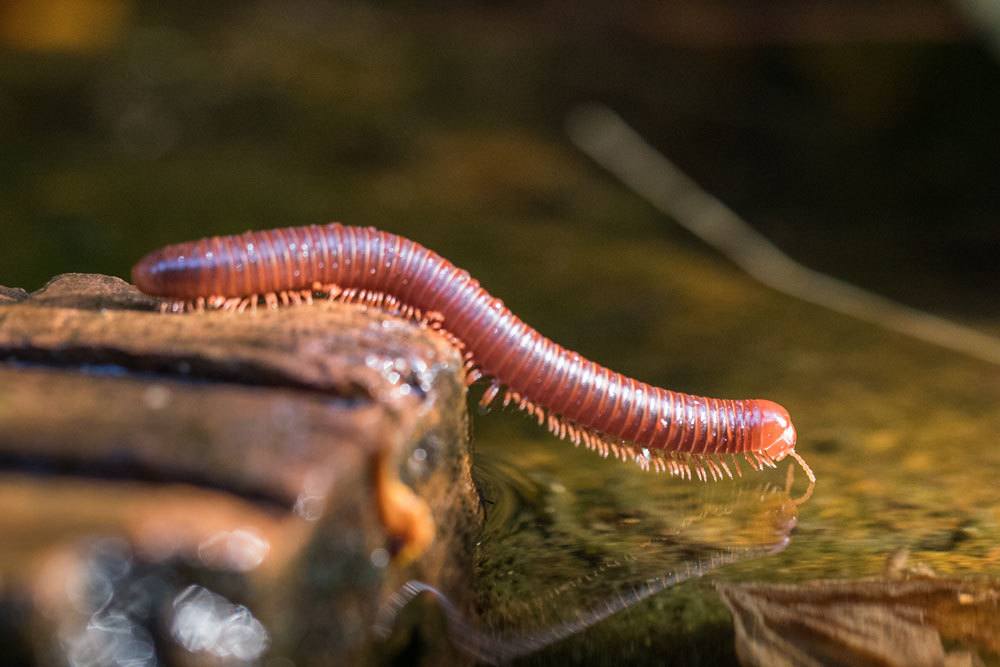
(576, 399)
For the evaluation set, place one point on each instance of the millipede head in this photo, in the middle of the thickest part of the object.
(776, 432)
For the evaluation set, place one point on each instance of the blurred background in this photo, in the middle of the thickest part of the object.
(862, 138)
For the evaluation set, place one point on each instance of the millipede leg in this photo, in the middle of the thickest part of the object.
(490, 394)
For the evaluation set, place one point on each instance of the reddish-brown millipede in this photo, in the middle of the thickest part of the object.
(576, 399)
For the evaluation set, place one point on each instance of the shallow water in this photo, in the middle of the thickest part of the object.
(179, 125)
(886, 422)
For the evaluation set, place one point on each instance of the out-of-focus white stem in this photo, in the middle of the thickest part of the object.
(612, 143)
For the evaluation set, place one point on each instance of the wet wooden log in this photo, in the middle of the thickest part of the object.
(190, 488)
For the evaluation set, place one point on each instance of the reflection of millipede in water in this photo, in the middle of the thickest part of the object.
(576, 399)
(782, 521)
(630, 574)
(493, 648)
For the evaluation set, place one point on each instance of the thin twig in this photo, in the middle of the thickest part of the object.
(612, 143)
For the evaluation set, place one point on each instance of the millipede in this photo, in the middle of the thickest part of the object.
(576, 399)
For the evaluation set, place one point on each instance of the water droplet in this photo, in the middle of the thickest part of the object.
(240, 550)
(309, 507)
(156, 397)
(206, 622)
(379, 558)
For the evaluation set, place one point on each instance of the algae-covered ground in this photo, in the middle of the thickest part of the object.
(447, 126)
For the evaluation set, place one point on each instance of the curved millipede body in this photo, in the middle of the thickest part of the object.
(575, 398)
